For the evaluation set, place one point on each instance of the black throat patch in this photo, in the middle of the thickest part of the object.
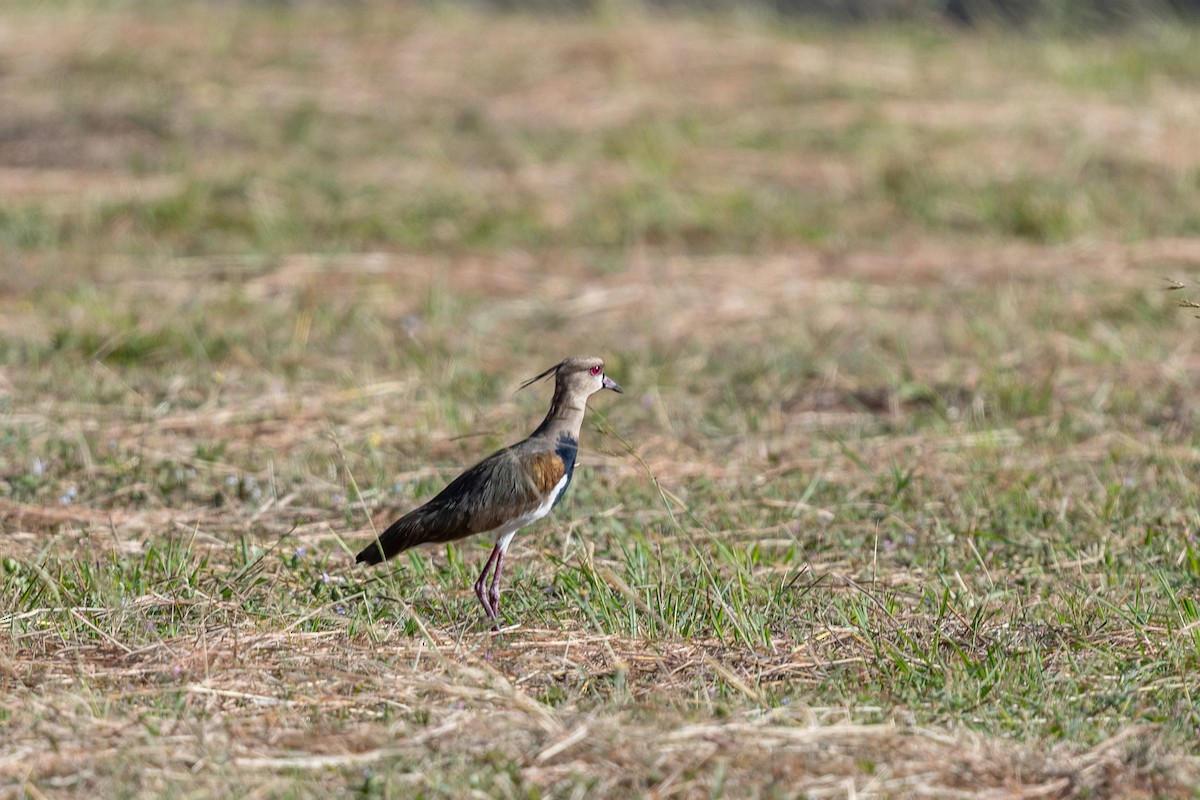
(566, 449)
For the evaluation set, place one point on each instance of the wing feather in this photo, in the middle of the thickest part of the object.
(509, 484)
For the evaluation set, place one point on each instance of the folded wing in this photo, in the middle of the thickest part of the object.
(506, 486)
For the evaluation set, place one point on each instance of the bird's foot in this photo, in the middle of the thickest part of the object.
(484, 600)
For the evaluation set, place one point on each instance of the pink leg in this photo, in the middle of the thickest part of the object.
(481, 590)
(494, 591)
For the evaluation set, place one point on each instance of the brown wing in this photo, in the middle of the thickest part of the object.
(504, 486)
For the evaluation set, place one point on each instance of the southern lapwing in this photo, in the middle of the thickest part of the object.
(508, 489)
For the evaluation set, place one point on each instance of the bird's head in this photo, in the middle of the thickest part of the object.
(578, 376)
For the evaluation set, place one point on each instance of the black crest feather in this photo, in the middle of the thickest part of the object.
(552, 371)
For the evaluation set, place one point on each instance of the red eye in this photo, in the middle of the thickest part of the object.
(595, 370)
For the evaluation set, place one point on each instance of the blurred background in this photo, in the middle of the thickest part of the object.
(781, 223)
(909, 438)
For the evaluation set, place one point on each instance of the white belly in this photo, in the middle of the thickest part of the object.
(505, 533)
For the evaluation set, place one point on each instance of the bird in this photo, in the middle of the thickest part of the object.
(509, 489)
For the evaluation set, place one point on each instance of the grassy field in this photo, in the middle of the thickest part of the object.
(901, 498)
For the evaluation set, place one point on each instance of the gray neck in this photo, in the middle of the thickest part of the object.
(565, 416)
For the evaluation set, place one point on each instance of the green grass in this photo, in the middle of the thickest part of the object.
(901, 493)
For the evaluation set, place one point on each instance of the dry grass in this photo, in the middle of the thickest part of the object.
(901, 500)
(263, 712)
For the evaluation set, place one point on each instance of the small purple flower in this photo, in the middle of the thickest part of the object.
(300, 551)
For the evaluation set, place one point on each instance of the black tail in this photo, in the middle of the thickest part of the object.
(396, 538)
(429, 523)
(373, 554)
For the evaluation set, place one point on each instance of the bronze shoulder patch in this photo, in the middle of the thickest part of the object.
(545, 470)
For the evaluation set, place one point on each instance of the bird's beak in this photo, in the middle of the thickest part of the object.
(609, 383)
